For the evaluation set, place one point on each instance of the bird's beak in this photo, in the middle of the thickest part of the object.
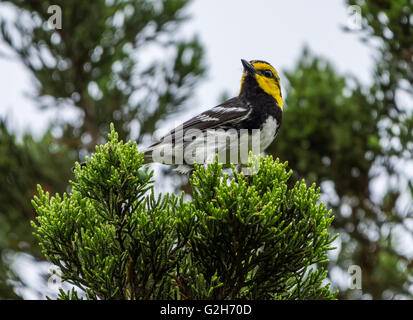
(248, 67)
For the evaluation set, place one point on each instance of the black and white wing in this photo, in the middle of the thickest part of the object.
(228, 112)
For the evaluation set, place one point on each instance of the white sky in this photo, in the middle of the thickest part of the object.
(275, 31)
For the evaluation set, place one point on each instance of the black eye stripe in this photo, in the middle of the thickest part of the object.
(268, 73)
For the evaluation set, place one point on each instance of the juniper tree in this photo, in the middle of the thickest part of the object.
(240, 236)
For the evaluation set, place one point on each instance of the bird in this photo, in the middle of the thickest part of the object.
(256, 110)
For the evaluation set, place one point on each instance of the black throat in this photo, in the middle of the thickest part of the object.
(262, 104)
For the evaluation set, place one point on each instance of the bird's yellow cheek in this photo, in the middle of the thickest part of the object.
(271, 88)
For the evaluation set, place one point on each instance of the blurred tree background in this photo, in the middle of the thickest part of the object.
(123, 62)
(347, 136)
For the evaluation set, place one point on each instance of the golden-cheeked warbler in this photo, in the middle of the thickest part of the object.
(257, 110)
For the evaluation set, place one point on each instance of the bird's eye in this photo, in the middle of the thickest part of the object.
(268, 74)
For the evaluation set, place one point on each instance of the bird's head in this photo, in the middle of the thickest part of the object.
(264, 75)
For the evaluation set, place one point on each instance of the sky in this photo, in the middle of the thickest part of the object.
(230, 30)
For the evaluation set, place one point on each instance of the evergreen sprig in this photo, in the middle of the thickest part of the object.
(249, 237)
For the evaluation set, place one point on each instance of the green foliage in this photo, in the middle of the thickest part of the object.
(25, 162)
(333, 132)
(247, 237)
(113, 61)
(390, 24)
(342, 135)
(18, 162)
(329, 129)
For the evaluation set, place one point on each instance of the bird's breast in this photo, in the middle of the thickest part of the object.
(268, 131)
